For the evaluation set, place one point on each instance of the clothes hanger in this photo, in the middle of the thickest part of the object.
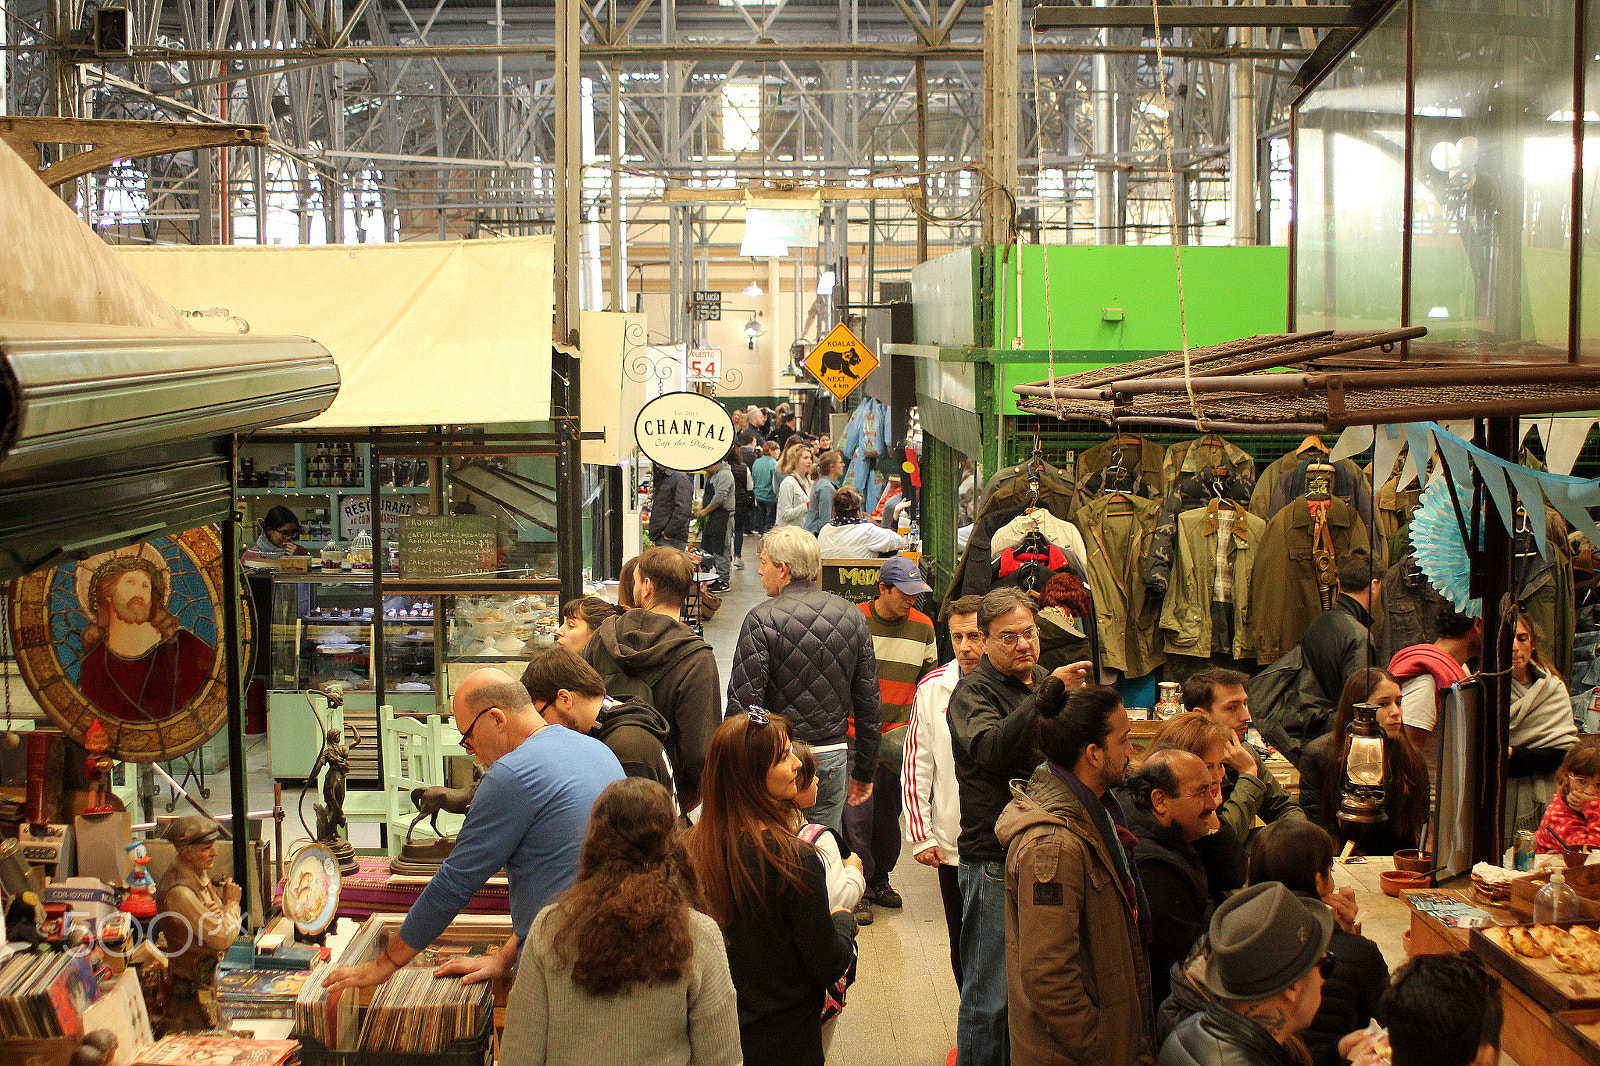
(1311, 443)
(1319, 481)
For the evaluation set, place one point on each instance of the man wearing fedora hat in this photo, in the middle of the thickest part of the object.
(1267, 953)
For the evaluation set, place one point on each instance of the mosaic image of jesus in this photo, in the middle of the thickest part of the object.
(139, 664)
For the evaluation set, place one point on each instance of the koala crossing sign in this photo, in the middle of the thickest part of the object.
(841, 362)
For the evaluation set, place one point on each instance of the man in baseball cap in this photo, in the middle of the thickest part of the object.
(1267, 956)
(906, 648)
(903, 574)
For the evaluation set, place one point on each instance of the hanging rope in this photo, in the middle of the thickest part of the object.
(1177, 246)
(1049, 315)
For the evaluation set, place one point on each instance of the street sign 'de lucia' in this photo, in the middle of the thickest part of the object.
(841, 362)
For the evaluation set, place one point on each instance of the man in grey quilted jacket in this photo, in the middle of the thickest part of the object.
(807, 655)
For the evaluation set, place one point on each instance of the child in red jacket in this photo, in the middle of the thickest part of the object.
(1573, 813)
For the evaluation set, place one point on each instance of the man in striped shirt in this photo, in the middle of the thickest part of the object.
(903, 641)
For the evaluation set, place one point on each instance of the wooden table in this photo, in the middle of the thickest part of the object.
(1530, 1034)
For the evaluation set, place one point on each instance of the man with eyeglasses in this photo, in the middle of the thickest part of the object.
(992, 731)
(528, 817)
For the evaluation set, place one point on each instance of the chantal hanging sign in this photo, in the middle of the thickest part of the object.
(683, 430)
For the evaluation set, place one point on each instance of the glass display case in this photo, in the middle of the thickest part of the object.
(325, 628)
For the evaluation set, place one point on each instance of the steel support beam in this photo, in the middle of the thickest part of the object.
(1182, 16)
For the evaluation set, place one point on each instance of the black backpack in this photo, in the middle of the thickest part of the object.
(1286, 705)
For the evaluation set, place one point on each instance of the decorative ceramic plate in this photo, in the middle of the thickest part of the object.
(311, 889)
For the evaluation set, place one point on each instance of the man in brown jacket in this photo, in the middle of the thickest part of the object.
(1078, 978)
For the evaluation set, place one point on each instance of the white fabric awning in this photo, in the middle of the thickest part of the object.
(452, 332)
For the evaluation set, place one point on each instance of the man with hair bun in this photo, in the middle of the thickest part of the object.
(1078, 978)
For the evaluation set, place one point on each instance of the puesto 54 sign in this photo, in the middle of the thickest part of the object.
(683, 430)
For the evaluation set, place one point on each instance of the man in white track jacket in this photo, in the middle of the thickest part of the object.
(931, 801)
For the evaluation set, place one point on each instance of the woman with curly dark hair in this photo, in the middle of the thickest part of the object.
(1406, 788)
(621, 968)
(767, 890)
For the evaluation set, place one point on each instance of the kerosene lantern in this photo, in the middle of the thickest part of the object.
(1362, 803)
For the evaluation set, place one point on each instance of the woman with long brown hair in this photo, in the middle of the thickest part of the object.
(767, 890)
(621, 968)
(1405, 786)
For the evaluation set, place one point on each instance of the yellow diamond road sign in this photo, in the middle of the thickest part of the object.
(841, 362)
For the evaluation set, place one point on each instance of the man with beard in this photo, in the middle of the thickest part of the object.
(139, 664)
(1077, 974)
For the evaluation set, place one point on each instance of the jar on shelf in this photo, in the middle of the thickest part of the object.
(332, 556)
(361, 551)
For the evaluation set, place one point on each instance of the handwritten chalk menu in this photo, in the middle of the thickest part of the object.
(855, 580)
(448, 545)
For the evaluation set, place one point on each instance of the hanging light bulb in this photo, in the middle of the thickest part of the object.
(752, 330)
(753, 290)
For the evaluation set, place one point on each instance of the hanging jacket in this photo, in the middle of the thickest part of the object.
(1392, 508)
(1005, 496)
(1348, 484)
(1129, 639)
(1284, 584)
(1009, 488)
(1141, 458)
(1191, 491)
(1411, 608)
(1267, 480)
(1187, 618)
(1061, 533)
(1206, 453)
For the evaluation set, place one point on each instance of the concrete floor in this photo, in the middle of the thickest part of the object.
(902, 1009)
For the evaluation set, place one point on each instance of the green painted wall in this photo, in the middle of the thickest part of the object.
(1228, 293)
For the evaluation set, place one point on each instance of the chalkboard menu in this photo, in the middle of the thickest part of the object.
(448, 545)
(855, 580)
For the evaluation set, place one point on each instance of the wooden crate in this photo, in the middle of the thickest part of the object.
(1585, 881)
(1580, 1031)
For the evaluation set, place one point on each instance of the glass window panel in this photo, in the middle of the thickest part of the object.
(1350, 164)
(1589, 204)
(1493, 175)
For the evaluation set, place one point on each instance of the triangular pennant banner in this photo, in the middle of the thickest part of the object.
(1532, 497)
(1573, 499)
(1353, 441)
(1564, 441)
(1454, 452)
(1420, 440)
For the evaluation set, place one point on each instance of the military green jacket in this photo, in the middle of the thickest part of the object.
(1284, 591)
(1186, 615)
(1129, 640)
